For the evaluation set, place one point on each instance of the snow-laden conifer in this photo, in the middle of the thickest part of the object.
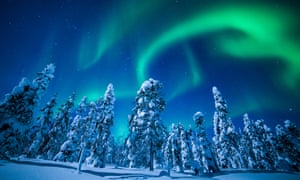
(263, 146)
(146, 130)
(186, 148)
(172, 149)
(57, 135)
(69, 150)
(225, 137)
(20, 103)
(288, 146)
(105, 122)
(16, 112)
(245, 146)
(89, 136)
(202, 151)
(45, 122)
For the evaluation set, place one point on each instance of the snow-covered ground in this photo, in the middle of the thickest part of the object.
(40, 169)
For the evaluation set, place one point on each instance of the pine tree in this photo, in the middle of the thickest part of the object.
(263, 147)
(99, 148)
(288, 146)
(173, 148)
(57, 135)
(45, 122)
(89, 136)
(20, 103)
(225, 138)
(69, 150)
(16, 112)
(146, 130)
(186, 148)
(246, 145)
(201, 147)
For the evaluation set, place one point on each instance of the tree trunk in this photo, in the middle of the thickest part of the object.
(151, 156)
(81, 159)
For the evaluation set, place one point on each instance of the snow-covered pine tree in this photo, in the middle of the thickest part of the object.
(288, 146)
(89, 136)
(16, 112)
(172, 149)
(45, 122)
(69, 150)
(263, 147)
(225, 137)
(57, 135)
(20, 103)
(186, 148)
(99, 148)
(201, 147)
(146, 130)
(168, 151)
(245, 145)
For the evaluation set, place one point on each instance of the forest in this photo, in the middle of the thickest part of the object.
(81, 133)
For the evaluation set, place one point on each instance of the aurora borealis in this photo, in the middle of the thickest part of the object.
(250, 50)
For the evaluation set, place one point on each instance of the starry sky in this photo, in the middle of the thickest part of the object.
(250, 50)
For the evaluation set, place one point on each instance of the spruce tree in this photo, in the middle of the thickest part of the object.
(16, 112)
(186, 148)
(20, 103)
(99, 148)
(202, 148)
(57, 135)
(246, 143)
(225, 137)
(69, 150)
(89, 136)
(263, 147)
(288, 146)
(45, 122)
(146, 130)
(172, 149)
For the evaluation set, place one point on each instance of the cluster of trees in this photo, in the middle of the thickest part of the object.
(82, 133)
(83, 137)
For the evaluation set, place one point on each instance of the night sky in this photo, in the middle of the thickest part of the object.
(249, 50)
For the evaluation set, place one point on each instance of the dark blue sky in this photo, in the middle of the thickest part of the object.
(250, 51)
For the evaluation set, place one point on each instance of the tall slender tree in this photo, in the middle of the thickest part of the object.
(225, 137)
(57, 135)
(69, 150)
(202, 148)
(186, 147)
(246, 143)
(146, 130)
(99, 148)
(89, 136)
(45, 122)
(172, 150)
(263, 148)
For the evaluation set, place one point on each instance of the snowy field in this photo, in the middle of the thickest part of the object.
(49, 170)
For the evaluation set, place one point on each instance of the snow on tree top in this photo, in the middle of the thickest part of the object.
(50, 68)
(198, 118)
(215, 90)
(109, 93)
(198, 115)
(18, 89)
(146, 86)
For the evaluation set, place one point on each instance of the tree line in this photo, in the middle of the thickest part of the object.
(82, 133)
